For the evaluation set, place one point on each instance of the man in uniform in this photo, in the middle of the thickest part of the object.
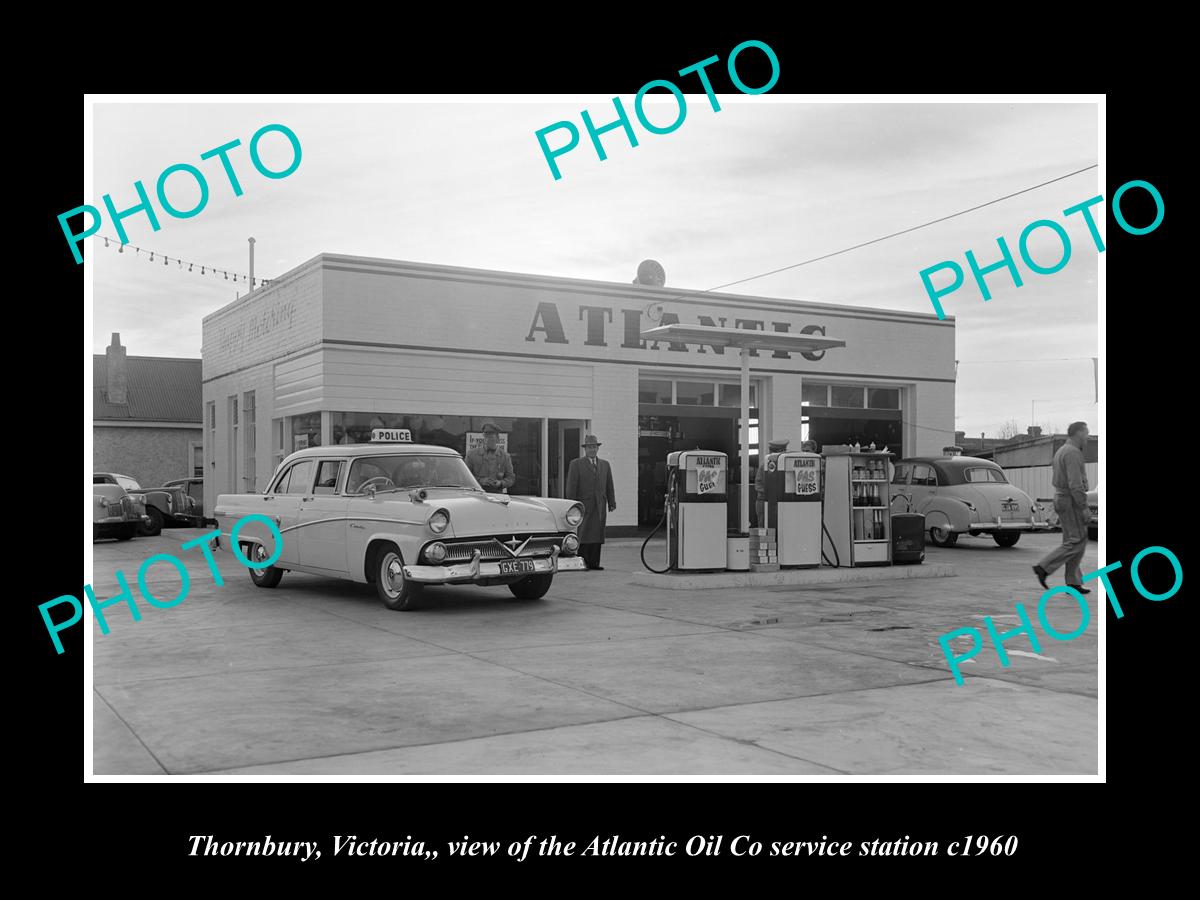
(760, 481)
(589, 480)
(490, 464)
(1070, 502)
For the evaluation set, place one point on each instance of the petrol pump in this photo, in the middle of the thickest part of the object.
(794, 494)
(696, 509)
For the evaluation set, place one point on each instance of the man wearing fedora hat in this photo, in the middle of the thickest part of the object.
(589, 480)
(760, 480)
(490, 464)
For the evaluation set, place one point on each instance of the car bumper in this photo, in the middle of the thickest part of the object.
(121, 520)
(476, 570)
(991, 527)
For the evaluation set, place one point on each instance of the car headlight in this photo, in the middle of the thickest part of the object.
(575, 516)
(436, 552)
(439, 521)
(570, 543)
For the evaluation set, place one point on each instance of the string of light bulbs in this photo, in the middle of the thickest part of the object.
(205, 269)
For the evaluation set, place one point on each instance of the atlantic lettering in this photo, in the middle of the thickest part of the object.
(595, 320)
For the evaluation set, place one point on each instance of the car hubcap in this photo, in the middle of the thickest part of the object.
(393, 574)
(939, 534)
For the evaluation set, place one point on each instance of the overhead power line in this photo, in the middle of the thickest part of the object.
(905, 231)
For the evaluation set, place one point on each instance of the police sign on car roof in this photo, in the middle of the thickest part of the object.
(391, 436)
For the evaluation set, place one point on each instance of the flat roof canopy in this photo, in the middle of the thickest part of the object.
(716, 336)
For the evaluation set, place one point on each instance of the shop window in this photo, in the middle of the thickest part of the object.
(731, 395)
(694, 393)
(654, 391)
(306, 431)
(846, 396)
(814, 394)
(883, 398)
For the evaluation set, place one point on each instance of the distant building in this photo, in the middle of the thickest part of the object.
(1026, 460)
(146, 416)
(972, 446)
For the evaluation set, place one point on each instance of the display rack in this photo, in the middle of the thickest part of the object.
(858, 508)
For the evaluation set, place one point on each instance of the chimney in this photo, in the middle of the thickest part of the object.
(118, 377)
(960, 437)
(1035, 431)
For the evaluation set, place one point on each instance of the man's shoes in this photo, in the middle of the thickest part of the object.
(1080, 588)
(1041, 576)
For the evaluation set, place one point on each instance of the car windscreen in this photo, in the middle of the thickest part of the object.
(981, 474)
(128, 483)
(409, 470)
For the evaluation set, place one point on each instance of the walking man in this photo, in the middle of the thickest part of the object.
(491, 464)
(1070, 502)
(589, 480)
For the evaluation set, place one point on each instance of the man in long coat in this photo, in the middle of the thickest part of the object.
(589, 480)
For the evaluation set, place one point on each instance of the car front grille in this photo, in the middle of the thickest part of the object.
(492, 549)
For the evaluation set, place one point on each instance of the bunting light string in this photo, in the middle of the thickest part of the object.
(193, 267)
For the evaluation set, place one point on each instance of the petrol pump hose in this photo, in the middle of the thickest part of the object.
(666, 511)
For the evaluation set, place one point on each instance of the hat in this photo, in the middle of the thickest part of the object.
(590, 440)
(778, 446)
(491, 427)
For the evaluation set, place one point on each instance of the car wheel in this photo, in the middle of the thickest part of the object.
(532, 587)
(263, 578)
(156, 523)
(396, 591)
(1006, 539)
(126, 532)
(942, 537)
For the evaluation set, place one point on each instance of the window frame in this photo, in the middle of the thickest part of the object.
(906, 469)
(932, 472)
(968, 480)
(337, 479)
(287, 473)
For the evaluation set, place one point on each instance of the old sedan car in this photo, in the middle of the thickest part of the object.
(402, 517)
(1093, 502)
(164, 505)
(964, 495)
(115, 513)
(194, 488)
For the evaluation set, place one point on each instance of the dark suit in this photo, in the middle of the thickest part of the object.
(593, 487)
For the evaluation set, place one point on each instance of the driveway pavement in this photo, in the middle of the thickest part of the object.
(601, 677)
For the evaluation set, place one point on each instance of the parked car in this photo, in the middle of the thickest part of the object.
(194, 488)
(1093, 502)
(402, 517)
(965, 495)
(115, 512)
(164, 505)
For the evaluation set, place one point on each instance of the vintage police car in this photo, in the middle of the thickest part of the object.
(964, 495)
(401, 516)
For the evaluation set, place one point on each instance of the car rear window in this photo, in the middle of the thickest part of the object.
(979, 473)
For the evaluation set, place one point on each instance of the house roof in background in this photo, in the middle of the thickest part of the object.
(160, 389)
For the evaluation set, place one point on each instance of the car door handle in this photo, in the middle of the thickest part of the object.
(305, 499)
(356, 525)
(268, 497)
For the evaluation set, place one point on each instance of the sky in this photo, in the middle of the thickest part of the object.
(766, 182)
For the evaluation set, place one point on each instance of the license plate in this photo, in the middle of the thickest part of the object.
(517, 567)
(1010, 507)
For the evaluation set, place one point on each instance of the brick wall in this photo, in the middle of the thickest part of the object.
(149, 455)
